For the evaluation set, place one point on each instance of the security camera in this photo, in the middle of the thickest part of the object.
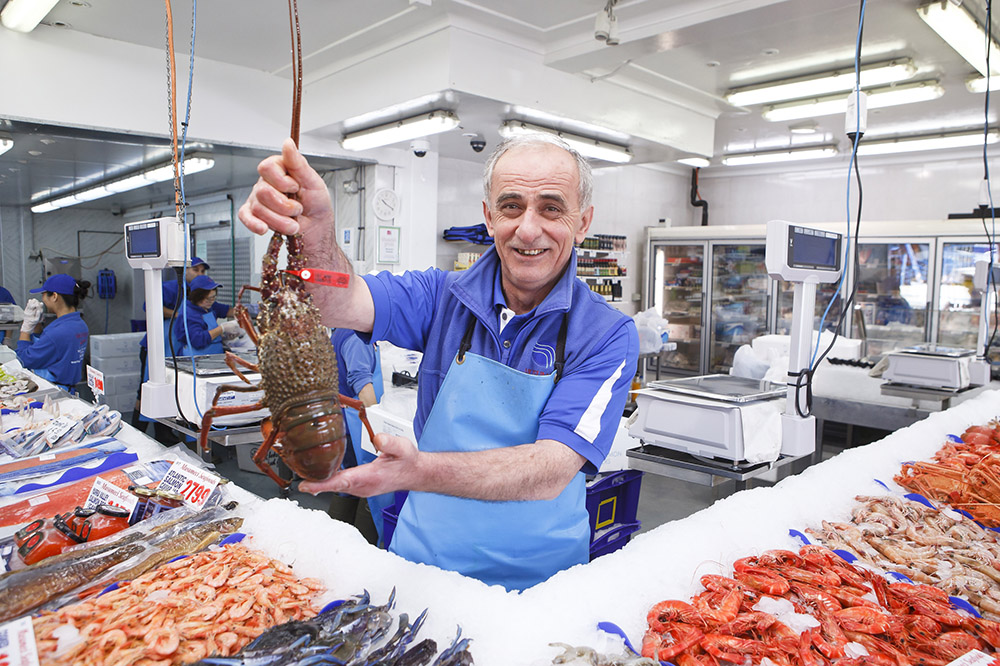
(420, 147)
(478, 143)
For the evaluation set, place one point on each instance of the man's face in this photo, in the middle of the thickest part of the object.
(534, 217)
(194, 271)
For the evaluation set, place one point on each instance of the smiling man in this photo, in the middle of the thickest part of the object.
(524, 375)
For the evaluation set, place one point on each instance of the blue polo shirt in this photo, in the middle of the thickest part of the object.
(172, 299)
(355, 361)
(428, 311)
(59, 349)
(197, 328)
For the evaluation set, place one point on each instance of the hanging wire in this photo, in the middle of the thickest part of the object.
(990, 234)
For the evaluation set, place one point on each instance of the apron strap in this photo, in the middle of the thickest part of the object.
(466, 339)
(561, 347)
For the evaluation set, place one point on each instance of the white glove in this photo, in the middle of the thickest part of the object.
(231, 329)
(33, 312)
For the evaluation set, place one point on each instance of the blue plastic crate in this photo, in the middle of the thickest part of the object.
(612, 499)
(610, 540)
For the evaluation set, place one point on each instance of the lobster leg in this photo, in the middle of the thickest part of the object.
(271, 434)
(360, 406)
(232, 360)
(215, 410)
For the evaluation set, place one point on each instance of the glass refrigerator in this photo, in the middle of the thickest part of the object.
(892, 302)
(678, 295)
(740, 297)
(958, 305)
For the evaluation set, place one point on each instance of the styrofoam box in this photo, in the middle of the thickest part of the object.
(115, 344)
(122, 383)
(384, 421)
(123, 402)
(117, 365)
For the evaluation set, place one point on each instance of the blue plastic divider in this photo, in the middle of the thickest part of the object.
(955, 438)
(34, 405)
(113, 461)
(803, 539)
(333, 604)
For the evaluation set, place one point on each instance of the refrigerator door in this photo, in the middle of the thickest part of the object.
(678, 296)
(740, 293)
(893, 294)
(958, 306)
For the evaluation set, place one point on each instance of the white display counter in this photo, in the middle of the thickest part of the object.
(665, 563)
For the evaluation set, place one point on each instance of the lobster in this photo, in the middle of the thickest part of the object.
(298, 369)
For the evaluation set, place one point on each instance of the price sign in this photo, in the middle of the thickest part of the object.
(58, 429)
(973, 658)
(17, 643)
(195, 485)
(103, 492)
(95, 380)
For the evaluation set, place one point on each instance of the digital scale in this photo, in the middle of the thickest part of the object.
(152, 245)
(196, 387)
(703, 417)
(700, 415)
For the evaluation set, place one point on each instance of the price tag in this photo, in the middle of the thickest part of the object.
(103, 492)
(190, 482)
(17, 643)
(973, 658)
(95, 380)
(41, 499)
(58, 429)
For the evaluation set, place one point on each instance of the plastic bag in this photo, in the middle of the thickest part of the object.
(746, 363)
(652, 330)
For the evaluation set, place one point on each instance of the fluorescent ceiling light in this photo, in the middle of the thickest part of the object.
(874, 74)
(783, 155)
(904, 93)
(24, 15)
(915, 143)
(156, 174)
(977, 84)
(955, 25)
(6, 143)
(592, 148)
(696, 162)
(425, 124)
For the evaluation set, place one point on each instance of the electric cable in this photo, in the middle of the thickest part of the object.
(990, 237)
(805, 377)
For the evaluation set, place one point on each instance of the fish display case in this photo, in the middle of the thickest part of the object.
(914, 286)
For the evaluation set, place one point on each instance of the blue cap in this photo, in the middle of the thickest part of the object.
(198, 261)
(60, 283)
(203, 282)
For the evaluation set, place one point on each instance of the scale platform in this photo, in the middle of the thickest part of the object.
(930, 366)
(700, 416)
(209, 365)
(196, 388)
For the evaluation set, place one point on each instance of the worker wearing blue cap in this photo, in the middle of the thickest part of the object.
(198, 332)
(57, 353)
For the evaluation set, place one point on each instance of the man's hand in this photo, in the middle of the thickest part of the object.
(33, 311)
(387, 473)
(289, 198)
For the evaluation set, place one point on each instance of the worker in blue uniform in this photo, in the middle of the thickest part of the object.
(197, 331)
(56, 354)
(524, 376)
(5, 297)
(359, 373)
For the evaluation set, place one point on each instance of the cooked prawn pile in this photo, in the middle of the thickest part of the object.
(843, 615)
(965, 474)
(211, 603)
(940, 548)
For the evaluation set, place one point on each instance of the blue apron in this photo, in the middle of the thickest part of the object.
(47, 375)
(214, 347)
(353, 420)
(482, 405)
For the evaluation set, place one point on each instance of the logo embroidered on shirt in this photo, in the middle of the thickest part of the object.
(543, 356)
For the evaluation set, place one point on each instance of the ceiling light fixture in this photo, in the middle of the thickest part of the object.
(24, 15)
(908, 144)
(606, 25)
(416, 127)
(158, 174)
(696, 162)
(955, 25)
(6, 143)
(903, 93)
(783, 155)
(586, 146)
(874, 74)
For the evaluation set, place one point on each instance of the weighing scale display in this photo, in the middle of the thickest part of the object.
(143, 240)
(810, 248)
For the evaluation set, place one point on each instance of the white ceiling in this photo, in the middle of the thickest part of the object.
(686, 51)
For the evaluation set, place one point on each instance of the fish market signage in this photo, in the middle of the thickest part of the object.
(193, 484)
(17, 643)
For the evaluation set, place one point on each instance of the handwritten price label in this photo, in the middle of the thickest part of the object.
(103, 492)
(193, 484)
(17, 643)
